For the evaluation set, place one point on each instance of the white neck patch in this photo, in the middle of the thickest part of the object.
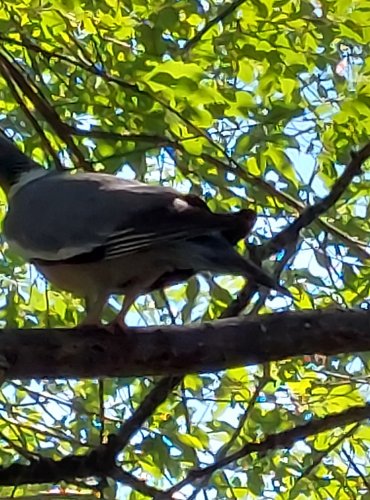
(25, 178)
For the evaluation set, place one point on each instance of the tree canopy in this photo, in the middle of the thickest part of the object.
(249, 104)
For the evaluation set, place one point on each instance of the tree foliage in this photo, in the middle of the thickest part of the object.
(248, 104)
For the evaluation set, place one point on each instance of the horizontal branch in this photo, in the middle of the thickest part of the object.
(93, 352)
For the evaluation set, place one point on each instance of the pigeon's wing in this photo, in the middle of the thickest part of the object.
(85, 217)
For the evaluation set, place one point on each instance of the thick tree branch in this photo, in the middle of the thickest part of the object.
(178, 350)
(136, 484)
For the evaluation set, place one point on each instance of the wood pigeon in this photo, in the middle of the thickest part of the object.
(96, 234)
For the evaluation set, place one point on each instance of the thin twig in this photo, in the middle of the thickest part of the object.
(320, 456)
(31, 118)
(357, 469)
(222, 452)
(313, 212)
(43, 108)
(212, 22)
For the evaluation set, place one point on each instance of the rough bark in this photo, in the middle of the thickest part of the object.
(91, 353)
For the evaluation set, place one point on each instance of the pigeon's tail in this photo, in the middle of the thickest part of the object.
(260, 277)
(215, 254)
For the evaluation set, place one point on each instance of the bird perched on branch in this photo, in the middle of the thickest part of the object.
(95, 234)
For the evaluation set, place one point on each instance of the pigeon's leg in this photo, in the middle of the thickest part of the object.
(118, 324)
(94, 309)
(140, 287)
(119, 320)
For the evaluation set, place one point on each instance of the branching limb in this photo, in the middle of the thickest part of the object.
(135, 483)
(101, 461)
(283, 439)
(223, 451)
(310, 214)
(288, 238)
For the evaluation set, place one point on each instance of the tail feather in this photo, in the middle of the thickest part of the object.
(215, 254)
(260, 277)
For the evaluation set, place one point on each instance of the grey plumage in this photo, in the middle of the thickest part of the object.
(96, 234)
(76, 213)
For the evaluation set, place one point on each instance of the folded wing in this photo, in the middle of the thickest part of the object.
(87, 217)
